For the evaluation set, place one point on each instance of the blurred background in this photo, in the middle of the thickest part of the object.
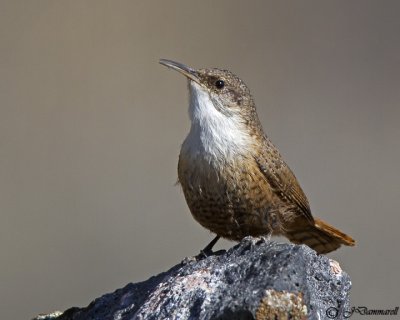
(91, 127)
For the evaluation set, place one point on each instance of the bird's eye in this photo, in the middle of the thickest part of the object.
(219, 84)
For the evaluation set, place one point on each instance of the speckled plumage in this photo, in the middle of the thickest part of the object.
(234, 179)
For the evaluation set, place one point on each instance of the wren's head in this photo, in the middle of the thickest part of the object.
(222, 112)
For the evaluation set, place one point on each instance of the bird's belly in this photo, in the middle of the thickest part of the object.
(232, 201)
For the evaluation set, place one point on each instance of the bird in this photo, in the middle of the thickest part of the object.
(234, 179)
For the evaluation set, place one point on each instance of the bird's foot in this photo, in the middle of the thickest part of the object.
(207, 251)
(205, 254)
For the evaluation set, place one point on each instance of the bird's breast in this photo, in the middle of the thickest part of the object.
(231, 200)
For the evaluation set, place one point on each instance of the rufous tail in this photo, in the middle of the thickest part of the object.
(322, 237)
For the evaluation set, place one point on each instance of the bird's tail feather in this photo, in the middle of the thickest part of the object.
(322, 237)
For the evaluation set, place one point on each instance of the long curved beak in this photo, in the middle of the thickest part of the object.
(185, 70)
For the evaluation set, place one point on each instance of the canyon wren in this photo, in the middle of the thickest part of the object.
(234, 179)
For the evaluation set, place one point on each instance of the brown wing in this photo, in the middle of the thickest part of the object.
(281, 178)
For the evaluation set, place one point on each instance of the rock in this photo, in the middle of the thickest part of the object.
(256, 279)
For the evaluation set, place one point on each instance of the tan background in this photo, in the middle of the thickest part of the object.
(91, 126)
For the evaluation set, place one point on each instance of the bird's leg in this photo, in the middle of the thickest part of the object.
(207, 251)
(208, 248)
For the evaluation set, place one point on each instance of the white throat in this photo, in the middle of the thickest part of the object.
(214, 136)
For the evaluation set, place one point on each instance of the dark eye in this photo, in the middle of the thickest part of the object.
(219, 84)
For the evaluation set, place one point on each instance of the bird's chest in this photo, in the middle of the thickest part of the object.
(234, 182)
(202, 176)
(230, 200)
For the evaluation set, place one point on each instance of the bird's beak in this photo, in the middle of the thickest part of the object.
(185, 70)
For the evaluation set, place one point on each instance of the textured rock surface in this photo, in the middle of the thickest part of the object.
(253, 280)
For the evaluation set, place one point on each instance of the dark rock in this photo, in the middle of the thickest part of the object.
(256, 279)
